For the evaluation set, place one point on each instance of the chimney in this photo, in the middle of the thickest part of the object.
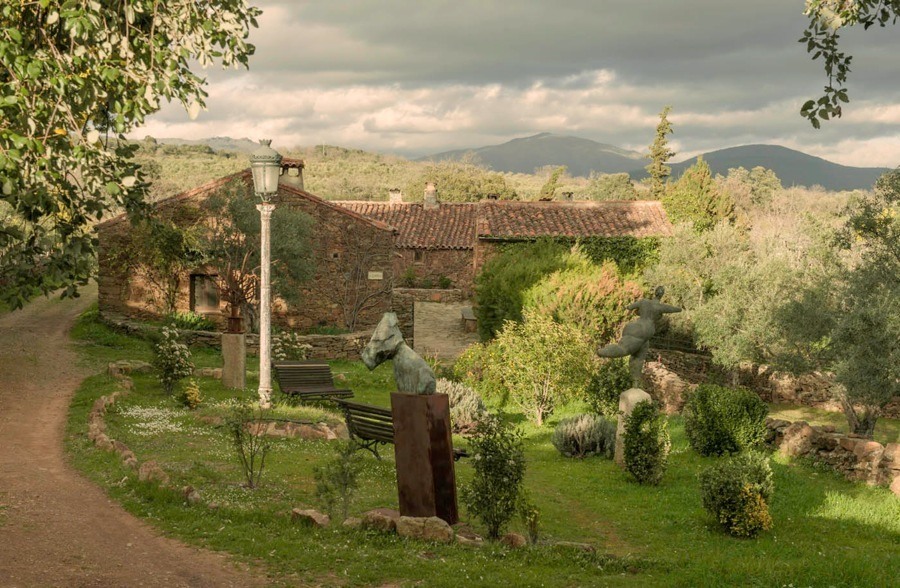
(431, 201)
(292, 173)
(395, 196)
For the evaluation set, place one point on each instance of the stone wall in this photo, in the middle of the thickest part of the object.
(346, 346)
(454, 264)
(670, 374)
(403, 304)
(352, 256)
(854, 457)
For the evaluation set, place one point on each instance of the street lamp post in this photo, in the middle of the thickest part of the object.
(265, 165)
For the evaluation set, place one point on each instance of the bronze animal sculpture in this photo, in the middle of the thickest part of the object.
(411, 373)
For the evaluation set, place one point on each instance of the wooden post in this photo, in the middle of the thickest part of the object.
(423, 448)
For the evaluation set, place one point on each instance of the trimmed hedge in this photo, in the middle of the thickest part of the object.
(719, 420)
(646, 443)
(736, 491)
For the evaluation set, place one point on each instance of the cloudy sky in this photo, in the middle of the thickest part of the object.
(418, 77)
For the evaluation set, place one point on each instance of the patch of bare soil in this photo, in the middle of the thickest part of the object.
(56, 528)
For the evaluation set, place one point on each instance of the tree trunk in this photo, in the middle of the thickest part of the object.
(865, 425)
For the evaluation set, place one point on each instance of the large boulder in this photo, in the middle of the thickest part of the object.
(381, 519)
(310, 518)
(425, 529)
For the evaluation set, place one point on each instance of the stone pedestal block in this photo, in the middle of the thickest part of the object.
(627, 401)
(423, 448)
(234, 356)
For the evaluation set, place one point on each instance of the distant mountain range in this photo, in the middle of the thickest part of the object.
(582, 156)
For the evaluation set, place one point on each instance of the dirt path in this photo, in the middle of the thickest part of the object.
(56, 528)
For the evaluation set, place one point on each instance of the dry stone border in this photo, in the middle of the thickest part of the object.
(855, 457)
(149, 471)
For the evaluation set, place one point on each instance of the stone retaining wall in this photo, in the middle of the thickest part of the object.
(853, 456)
(674, 372)
(346, 346)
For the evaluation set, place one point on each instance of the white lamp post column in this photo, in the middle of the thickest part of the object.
(265, 308)
(265, 164)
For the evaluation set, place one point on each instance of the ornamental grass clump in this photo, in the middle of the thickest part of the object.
(466, 406)
(172, 359)
(585, 435)
(736, 491)
(719, 420)
(646, 443)
(498, 460)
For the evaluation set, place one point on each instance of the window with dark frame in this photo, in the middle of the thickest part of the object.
(419, 255)
(204, 293)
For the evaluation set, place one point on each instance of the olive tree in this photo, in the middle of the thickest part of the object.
(74, 78)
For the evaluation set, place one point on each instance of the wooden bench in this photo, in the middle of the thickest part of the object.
(307, 380)
(470, 324)
(370, 426)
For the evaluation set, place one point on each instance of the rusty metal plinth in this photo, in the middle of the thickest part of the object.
(423, 448)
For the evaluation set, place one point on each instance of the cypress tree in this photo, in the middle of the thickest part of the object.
(659, 155)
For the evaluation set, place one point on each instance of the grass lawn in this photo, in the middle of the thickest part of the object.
(828, 532)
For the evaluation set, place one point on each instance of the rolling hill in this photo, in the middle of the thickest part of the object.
(525, 154)
(794, 168)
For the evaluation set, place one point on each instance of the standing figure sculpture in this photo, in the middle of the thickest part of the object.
(412, 374)
(636, 335)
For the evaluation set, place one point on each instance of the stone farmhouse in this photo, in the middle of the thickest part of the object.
(364, 251)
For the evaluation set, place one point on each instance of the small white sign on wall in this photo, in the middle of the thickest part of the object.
(376, 275)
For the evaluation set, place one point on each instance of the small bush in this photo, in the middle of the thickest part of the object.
(251, 445)
(338, 479)
(531, 517)
(479, 368)
(736, 491)
(444, 282)
(607, 384)
(287, 346)
(720, 420)
(191, 321)
(498, 461)
(172, 359)
(466, 406)
(191, 396)
(646, 443)
(585, 435)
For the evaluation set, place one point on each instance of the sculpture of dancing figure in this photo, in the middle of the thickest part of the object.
(412, 373)
(636, 335)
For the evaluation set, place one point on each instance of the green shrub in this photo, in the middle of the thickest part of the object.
(191, 396)
(646, 443)
(607, 384)
(585, 435)
(500, 287)
(338, 479)
(591, 297)
(736, 491)
(479, 367)
(191, 321)
(466, 406)
(543, 363)
(245, 426)
(531, 517)
(444, 282)
(720, 420)
(171, 358)
(498, 460)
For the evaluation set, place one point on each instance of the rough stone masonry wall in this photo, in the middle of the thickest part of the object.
(855, 457)
(670, 374)
(343, 247)
(345, 346)
(403, 304)
(454, 264)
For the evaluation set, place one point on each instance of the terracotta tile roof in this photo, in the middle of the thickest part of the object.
(450, 226)
(528, 220)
